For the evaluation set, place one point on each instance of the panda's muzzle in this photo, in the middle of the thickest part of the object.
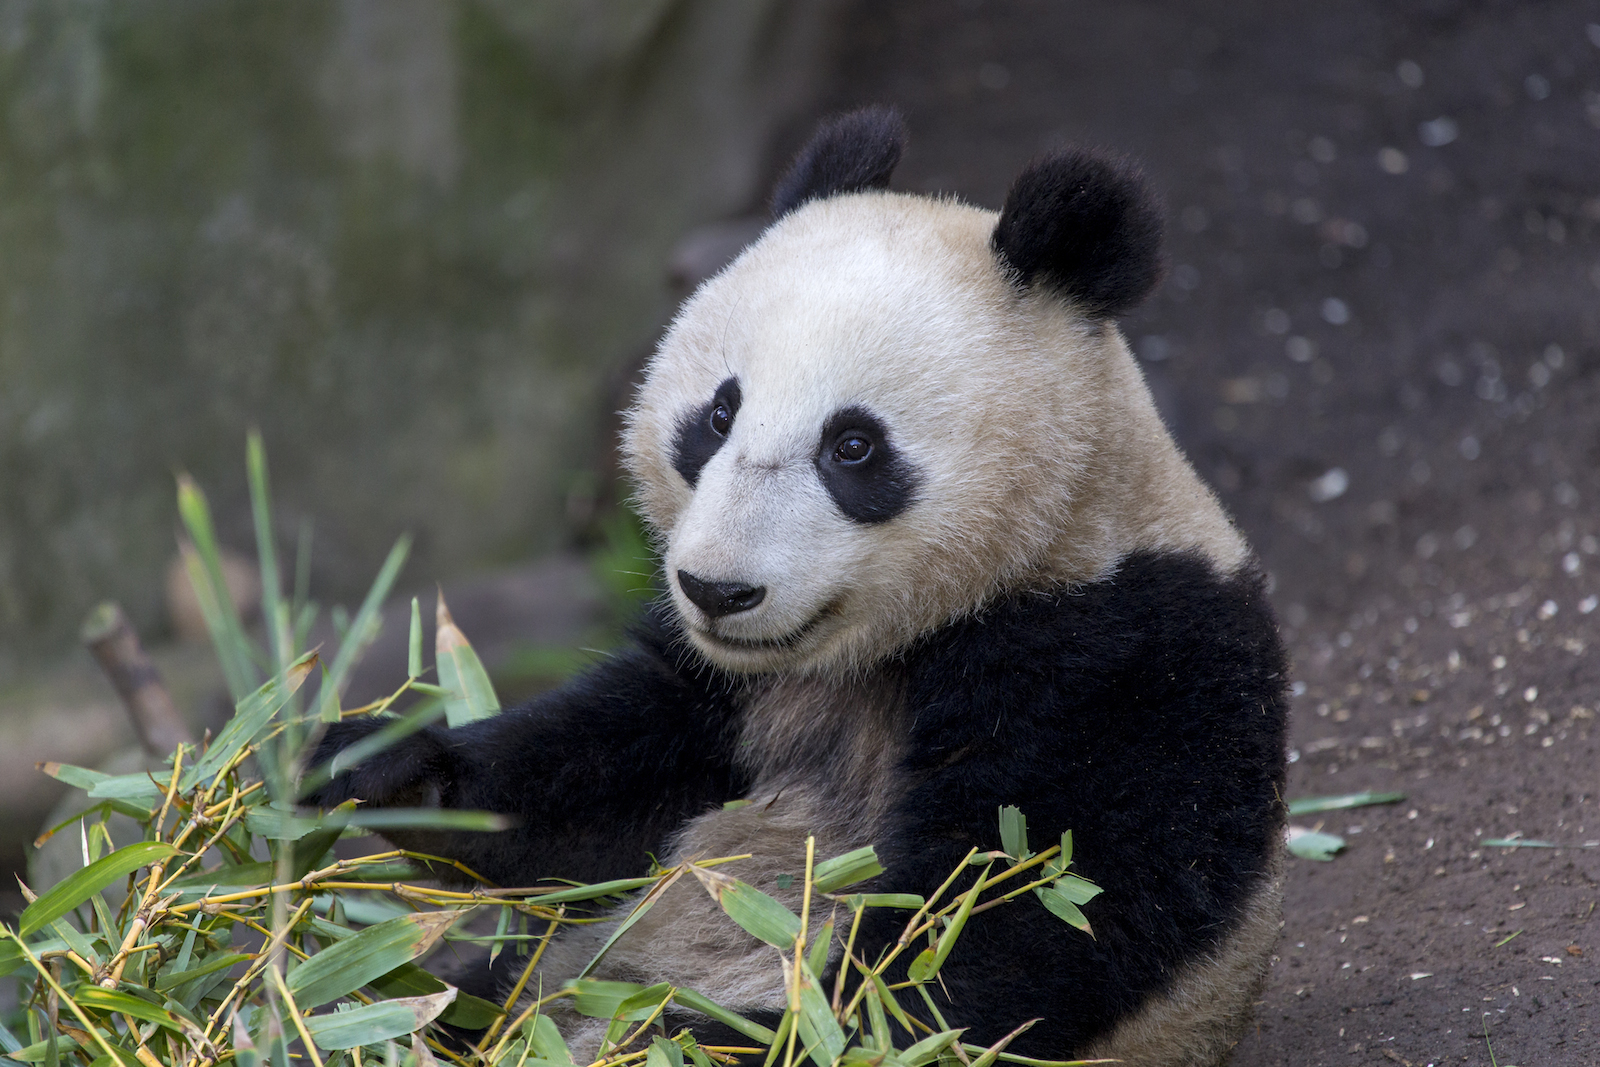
(718, 599)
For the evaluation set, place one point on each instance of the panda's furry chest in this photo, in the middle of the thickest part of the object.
(820, 757)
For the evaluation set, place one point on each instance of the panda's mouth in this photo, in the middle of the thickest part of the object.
(773, 644)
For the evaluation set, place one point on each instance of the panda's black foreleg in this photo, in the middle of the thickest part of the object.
(595, 775)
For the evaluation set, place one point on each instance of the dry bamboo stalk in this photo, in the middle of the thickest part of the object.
(155, 719)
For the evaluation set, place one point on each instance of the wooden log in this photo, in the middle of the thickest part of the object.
(116, 647)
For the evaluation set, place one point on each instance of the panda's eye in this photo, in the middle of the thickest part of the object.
(721, 420)
(852, 448)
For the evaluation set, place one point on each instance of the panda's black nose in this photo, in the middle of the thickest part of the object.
(720, 598)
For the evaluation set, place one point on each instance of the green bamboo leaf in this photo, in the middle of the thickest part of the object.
(595, 891)
(1066, 847)
(884, 995)
(995, 1051)
(927, 1050)
(830, 876)
(817, 955)
(1014, 833)
(81, 885)
(1078, 890)
(279, 824)
(818, 1028)
(1312, 845)
(602, 1000)
(109, 1000)
(273, 610)
(947, 939)
(710, 1008)
(640, 1005)
(220, 962)
(430, 818)
(877, 1022)
(663, 1053)
(906, 901)
(544, 1038)
(921, 968)
(414, 645)
(363, 630)
(77, 777)
(374, 1023)
(11, 957)
(1312, 805)
(354, 962)
(410, 980)
(472, 695)
(138, 787)
(254, 713)
(759, 914)
(203, 560)
(1063, 908)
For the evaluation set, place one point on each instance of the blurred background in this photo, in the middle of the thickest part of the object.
(423, 245)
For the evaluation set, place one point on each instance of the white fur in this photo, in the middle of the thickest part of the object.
(1042, 457)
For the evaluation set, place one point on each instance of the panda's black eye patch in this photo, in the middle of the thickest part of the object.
(868, 478)
(703, 430)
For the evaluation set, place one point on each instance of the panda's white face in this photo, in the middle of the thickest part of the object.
(854, 432)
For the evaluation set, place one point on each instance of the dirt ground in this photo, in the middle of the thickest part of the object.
(1380, 341)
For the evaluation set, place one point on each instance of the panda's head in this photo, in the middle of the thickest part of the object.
(887, 409)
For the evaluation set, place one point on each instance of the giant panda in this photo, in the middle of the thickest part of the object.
(928, 550)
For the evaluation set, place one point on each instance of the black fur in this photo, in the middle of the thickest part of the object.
(1145, 713)
(697, 441)
(873, 489)
(846, 155)
(1085, 225)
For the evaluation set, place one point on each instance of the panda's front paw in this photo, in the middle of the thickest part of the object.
(408, 773)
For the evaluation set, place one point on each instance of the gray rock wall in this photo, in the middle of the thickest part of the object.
(409, 239)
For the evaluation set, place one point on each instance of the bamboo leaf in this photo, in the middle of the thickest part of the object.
(710, 1008)
(1014, 833)
(83, 884)
(111, 1000)
(598, 889)
(425, 713)
(203, 560)
(1312, 845)
(472, 695)
(947, 939)
(273, 611)
(663, 1053)
(907, 901)
(352, 963)
(133, 787)
(544, 1038)
(818, 1028)
(430, 818)
(817, 955)
(993, 1052)
(602, 1000)
(410, 980)
(759, 914)
(414, 644)
(254, 713)
(927, 1050)
(1312, 805)
(78, 777)
(373, 1023)
(645, 903)
(363, 630)
(1076, 889)
(1063, 908)
(1066, 847)
(222, 961)
(830, 876)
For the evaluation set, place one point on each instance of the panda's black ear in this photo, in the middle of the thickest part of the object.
(846, 155)
(1086, 225)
